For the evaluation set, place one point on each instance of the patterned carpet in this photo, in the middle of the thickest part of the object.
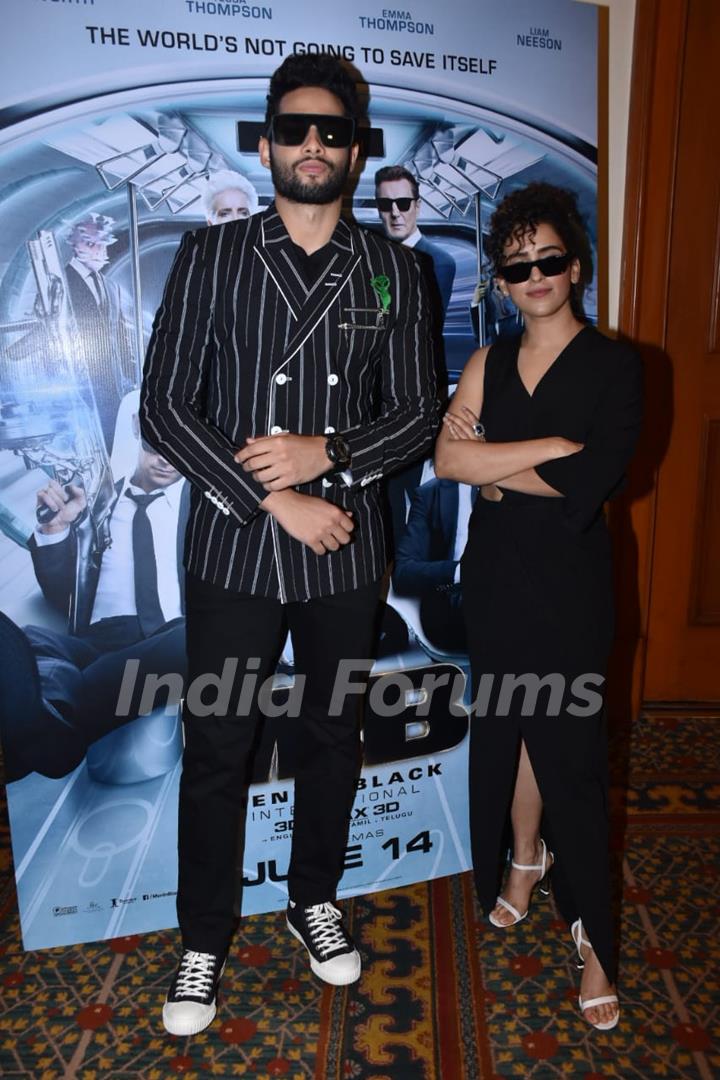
(444, 996)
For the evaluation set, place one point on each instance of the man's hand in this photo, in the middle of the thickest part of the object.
(313, 521)
(68, 504)
(284, 460)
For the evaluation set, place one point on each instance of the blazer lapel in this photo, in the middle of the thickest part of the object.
(272, 249)
(308, 305)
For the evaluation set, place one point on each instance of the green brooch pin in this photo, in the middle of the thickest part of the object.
(381, 287)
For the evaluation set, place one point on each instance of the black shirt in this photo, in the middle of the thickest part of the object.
(310, 266)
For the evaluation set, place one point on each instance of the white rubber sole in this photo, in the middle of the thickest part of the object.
(202, 1015)
(322, 970)
(176, 1025)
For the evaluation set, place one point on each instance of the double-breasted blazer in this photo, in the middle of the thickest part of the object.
(242, 347)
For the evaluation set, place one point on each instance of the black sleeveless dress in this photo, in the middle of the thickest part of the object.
(537, 600)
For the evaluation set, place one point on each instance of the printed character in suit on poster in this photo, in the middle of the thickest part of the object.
(60, 690)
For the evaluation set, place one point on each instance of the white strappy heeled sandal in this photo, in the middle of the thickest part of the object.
(543, 884)
(606, 999)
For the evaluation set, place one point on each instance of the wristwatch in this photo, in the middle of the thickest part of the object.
(337, 449)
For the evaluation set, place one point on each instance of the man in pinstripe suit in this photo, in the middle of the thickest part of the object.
(290, 369)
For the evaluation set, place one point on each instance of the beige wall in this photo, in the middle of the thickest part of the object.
(622, 21)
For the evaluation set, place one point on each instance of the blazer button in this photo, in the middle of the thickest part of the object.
(275, 429)
(281, 379)
(225, 510)
(333, 379)
(207, 495)
(330, 430)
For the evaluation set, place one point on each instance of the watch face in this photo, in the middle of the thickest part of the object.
(343, 452)
(338, 451)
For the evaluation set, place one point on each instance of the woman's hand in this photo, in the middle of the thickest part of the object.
(464, 424)
(461, 424)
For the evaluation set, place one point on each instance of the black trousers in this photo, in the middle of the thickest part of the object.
(218, 747)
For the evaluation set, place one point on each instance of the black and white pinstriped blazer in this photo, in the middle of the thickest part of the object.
(240, 346)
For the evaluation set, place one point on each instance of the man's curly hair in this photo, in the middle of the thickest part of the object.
(520, 213)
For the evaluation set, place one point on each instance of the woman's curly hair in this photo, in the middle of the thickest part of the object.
(523, 210)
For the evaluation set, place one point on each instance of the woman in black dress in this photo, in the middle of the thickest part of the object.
(545, 425)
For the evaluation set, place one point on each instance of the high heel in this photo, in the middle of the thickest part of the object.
(543, 884)
(606, 999)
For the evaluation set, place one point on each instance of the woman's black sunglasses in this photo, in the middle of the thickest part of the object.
(550, 266)
(290, 129)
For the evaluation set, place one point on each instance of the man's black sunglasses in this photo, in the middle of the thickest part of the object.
(403, 205)
(291, 129)
(550, 266)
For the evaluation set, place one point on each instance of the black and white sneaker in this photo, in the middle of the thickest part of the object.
(333, 956)
(191, 1003)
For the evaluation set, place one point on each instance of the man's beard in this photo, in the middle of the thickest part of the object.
(318, 193)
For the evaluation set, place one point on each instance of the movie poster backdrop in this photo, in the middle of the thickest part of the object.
(124, 123)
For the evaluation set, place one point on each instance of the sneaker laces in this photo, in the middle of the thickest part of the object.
(325, 927)
(195, 977)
